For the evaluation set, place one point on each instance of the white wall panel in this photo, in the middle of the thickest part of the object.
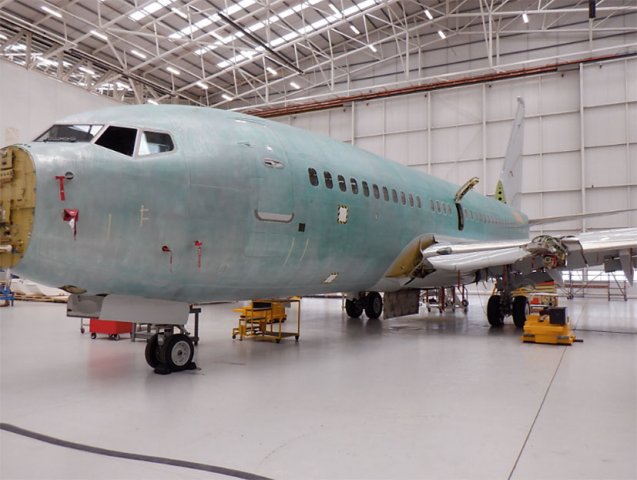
(370, 118)
(30, 102)
(600, 86)
(607, 166)
(458, 106)
(605, 125)
(561, 133)
(560, 171)
(407, 148)
(372, 144)
(559, 93)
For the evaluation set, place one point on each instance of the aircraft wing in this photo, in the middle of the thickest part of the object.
(615, 249)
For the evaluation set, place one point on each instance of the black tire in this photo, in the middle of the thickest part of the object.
(177, 352)
(354, 308)
(152, 352)
(520, 310)
(373, 305)
(93, 336)
(494, 311)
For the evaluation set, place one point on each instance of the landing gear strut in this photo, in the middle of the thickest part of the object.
(371, 304)
(169, 352)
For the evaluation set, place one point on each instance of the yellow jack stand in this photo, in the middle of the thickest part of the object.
(551, 326)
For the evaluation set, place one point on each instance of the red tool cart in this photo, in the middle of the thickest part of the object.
(109, 327)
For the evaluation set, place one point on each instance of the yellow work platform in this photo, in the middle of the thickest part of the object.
(258, 320)
(551, 326)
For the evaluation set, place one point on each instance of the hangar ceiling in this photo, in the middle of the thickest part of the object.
(271, 55)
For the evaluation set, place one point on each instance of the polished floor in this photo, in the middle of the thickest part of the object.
(421, 397)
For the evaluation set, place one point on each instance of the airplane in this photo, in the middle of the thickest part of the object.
(141, 211)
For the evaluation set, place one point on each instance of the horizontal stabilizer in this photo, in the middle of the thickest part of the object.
(577, 216)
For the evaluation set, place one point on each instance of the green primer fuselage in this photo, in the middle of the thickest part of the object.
(240, 187)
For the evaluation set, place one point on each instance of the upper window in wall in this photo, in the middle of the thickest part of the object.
(118, 139)
(151, 143)
(313, 176)
(328, 179)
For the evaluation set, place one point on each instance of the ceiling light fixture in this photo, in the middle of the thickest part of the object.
(172, 70)
(442, 34)
(50, 11)
(226, 97)
(355, 30)
(295, 85)
(372, 48)
(180, 13)
(525, 18)
(272, 71)
(202, 85)
(152, 102)
(87, 70)
(429, 15)
(335, 10)
(138, 54)
(99, 35)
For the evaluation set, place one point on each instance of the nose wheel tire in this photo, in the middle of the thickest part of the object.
(177, 352)
(152, 352)
(520, 311)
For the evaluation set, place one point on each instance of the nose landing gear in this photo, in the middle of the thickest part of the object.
(168, 352)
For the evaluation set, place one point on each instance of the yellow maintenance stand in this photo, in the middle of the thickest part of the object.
(550, 325)
(258, 320)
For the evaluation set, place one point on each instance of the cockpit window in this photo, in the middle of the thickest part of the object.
(154, 142)
(69, 133)
(119, 139)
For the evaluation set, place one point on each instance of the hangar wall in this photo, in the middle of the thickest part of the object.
(30, 102)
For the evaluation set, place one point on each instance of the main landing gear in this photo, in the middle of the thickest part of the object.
(371, 303)
(501, 305)
(167, 351)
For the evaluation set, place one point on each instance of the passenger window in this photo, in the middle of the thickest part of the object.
(155, 142)
(354, 185)
(394, 195)
(313, 176)
(432, 205)
(403, 200)
(118, 139)
(365, 189)
(411, 200)
(376, 191)
(386, 194)
(328, 179)
(438, 209)
(418, 202)
(341, 183)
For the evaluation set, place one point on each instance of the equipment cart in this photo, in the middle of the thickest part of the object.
(109, 327)
(258, 319)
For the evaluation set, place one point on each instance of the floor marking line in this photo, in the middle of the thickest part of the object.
(131, 456)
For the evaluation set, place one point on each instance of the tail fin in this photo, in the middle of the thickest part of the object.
(510, 182)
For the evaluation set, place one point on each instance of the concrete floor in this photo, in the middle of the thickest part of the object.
(440, 397)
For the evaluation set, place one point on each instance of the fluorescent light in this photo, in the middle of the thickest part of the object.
(525, 17)
(295, 85)
(138, 54)
(372, 48)
(226, 96)
(172, 70)
(335, 10)
(355, 30)
(152, 102)
(2, 37)
(180, 13)
(202, 85)
(442, 34)
(429, 15)
(99, 35)
(87, 70)
(50, 11)
(272, 71)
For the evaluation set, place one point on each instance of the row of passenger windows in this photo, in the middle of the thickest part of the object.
(436, 206)
(375, 190)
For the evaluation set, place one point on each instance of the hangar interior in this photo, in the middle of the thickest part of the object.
(425, 396)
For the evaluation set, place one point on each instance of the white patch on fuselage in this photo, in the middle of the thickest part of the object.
(331, 278)
(343, 213)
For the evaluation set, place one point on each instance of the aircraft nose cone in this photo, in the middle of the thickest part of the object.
(17, 204)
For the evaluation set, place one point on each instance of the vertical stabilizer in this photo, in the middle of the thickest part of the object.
(510, 182)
